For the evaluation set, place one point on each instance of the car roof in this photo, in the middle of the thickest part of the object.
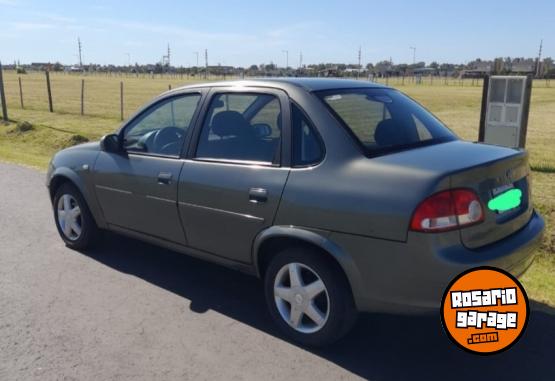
(308, 84)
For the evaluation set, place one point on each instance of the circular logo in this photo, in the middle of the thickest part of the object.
(485, 310)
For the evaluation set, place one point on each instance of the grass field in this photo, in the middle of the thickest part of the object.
(457, 105)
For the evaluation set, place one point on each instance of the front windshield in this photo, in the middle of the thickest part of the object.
(384, 119)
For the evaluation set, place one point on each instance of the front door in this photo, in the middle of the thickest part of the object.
(137, 189)
(231, 186)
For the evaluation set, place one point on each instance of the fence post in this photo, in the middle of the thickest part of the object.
(3, 97)
(20, 93)
(49, 90)
(82, 97)
(121, 99)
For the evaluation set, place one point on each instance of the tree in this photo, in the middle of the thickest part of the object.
(548, 63)
(269, 67)
(382, 67)
(402, 68)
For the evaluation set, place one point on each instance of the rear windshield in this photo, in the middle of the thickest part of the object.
(384, 120)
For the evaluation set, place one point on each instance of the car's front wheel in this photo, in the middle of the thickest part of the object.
(308, 297)
(73, 218)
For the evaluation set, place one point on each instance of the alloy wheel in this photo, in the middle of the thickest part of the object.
(69, 217)
(301, 298)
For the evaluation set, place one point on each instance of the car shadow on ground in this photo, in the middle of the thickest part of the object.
(380, 347)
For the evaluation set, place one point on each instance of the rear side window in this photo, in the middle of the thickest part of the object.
(384, 119)
(307, 147)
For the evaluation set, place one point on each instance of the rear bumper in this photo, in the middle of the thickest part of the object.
(410, 277)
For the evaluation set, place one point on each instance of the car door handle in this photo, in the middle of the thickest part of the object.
(257, 195)
(164, 178)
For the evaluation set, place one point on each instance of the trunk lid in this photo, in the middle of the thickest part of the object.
(492, 181)
(487, 169)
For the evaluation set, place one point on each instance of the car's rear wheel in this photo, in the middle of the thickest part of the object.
(73, 218)
(308, 297)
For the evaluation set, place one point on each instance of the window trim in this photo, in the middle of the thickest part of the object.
(312, 126)
(158, 102)
(282, 97)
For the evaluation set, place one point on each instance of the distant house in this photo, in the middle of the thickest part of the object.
(329, 72)
(221, 70)
(354, 72)
(478, 69)
(424, 71)
(40, 65)
(73, 69)
(523, 67)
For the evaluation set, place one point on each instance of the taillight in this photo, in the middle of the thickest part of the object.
(447, 210)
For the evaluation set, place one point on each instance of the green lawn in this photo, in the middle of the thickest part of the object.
(455, 104)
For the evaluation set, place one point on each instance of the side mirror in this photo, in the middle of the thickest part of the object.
(110, 143)
(262, 130)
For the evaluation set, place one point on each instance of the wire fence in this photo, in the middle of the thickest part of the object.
(117, 95)
(110, 95)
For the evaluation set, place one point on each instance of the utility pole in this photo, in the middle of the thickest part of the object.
(359, 60)
(413, 54)
(169, 63)
(301, 60)
(3, 97)
(205, 63)
(286, 58)
(539, 60)
(80, 55)
(197, 57)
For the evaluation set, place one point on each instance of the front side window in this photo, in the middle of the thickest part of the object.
(384, 119)
(162, 129)
(241, 127)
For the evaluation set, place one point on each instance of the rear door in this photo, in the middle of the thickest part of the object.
(231, 184)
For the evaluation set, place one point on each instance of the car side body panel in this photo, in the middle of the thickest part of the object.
(215, 208)
(131, 196)
(410, 277)
(315, 237)
(75, 164)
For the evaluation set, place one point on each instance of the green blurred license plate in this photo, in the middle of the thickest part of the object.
(505, 198)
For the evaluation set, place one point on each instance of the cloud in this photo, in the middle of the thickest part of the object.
(50, 21)
(293, 29)
(176, 31)
(134, 44)
(54, 17)
(271, 37)
(29, 26)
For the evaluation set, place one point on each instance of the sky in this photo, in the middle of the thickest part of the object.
(242, 33)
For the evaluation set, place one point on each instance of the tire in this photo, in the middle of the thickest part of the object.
(83, 233)
(336, 312)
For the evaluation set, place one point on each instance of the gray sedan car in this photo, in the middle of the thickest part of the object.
(343, 196)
